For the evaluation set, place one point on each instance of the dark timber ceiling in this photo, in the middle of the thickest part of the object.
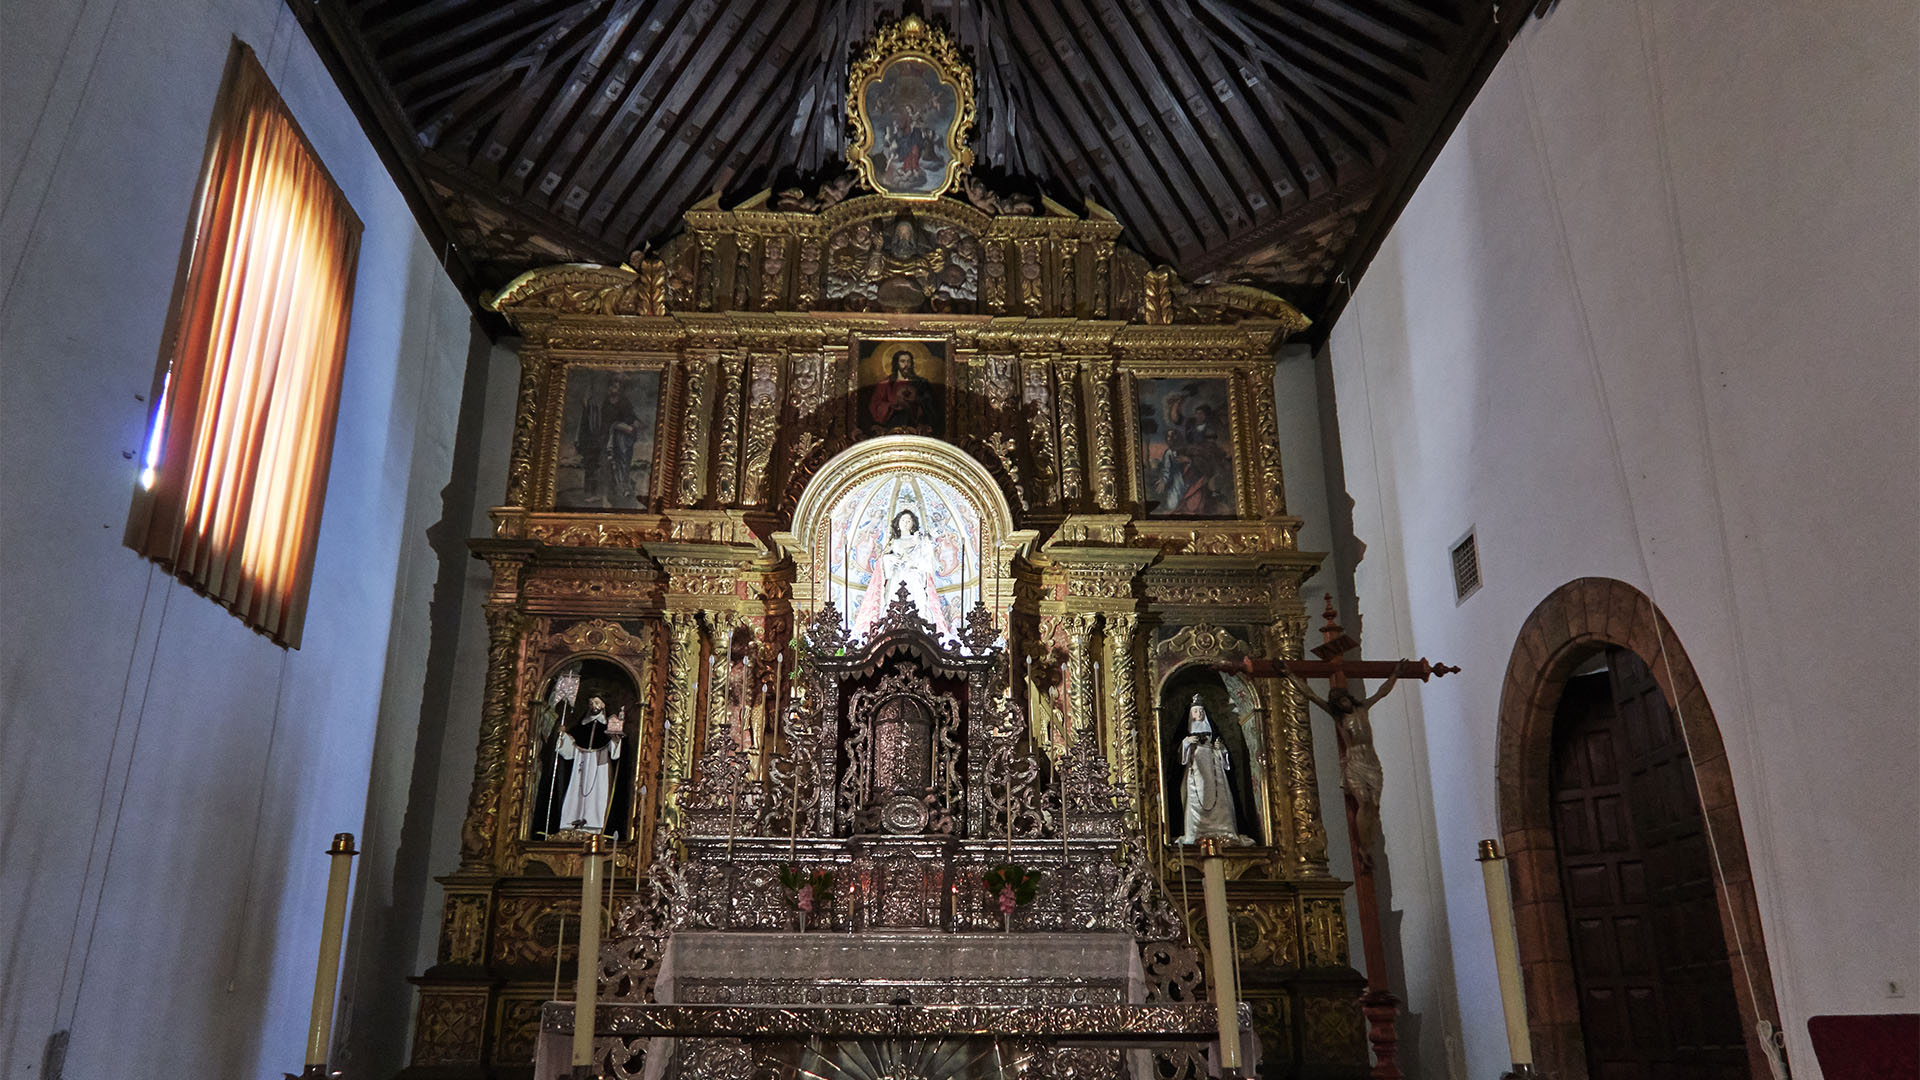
(1269, 142)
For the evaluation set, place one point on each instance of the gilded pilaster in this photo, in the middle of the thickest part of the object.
(1032, 287)
(1069, 391)
(1080, 688)
(1123, 750)
(1106, 484)
(706, 271)
(1303, 785)
(1069, 300)
(526, 421)
(726, 461)
(1102, 277)
(720, 627)
(700, 371)
(1037, 396)
(682, 709)
(504, 625)
(763, 423)
(1272, 487)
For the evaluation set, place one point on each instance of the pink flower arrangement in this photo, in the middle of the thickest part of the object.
(1007, 900)
(805, 899)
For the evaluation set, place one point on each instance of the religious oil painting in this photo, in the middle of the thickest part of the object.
(902, 530)
(587, 720)
(1186, 448)
(912, 112)
(903, 387)
(607, 432)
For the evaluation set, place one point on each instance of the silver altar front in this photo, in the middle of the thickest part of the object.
(904, 770)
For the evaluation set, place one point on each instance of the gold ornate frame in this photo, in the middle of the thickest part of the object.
(912, 38)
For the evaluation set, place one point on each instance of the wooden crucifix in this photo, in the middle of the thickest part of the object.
(1361, 778)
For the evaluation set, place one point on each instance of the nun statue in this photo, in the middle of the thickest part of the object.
(1209, 796)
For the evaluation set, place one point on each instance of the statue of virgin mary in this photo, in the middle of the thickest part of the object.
(906, 559)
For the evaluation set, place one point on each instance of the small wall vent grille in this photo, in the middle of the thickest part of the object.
(1466, 568)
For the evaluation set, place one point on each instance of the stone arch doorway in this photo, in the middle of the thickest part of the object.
(1568, 630)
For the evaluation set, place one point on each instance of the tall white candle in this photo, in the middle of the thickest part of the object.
(1506, 951)
(586, 983)
(327, 979)
(1226, 992)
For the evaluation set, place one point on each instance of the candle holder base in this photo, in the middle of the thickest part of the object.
(1381, 1008)
(1522, 1072)
(584, 1072)
(311, 1072)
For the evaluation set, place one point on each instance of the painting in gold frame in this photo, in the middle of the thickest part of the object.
(1186, 451)
(902, 385)
(608, 423)
(910, 100)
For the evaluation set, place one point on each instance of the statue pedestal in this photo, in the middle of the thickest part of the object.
(881, 967)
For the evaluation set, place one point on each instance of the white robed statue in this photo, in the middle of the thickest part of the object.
(592, 745)
(1209, 795)
(906, 559)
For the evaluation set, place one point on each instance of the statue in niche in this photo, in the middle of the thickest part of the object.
(1205, 763)
(582, 724)
(906, 560)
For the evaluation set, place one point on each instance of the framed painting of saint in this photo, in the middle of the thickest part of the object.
(911, 101)
(1186, 448)
(608, 422)
(902, 386)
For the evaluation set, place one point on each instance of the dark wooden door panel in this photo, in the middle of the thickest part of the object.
(1649, 955)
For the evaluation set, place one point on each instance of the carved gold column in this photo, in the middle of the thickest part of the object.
(720, 627)
(706, 272)
(682, 707)
(1123, 678)
(1080, 688)
(1069, 301)
(1303, 785)
(1037, 396)
(726, 463)
(1032, 288)
(693, 432)
(1099, 380)
(763, 423)
(1068, 387)
(526, 420)
(1272, 487)
(504, 624)
(1102, 277)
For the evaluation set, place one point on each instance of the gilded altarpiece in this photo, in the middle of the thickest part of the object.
(1107, 447)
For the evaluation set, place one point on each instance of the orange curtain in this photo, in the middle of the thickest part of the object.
(236, 463)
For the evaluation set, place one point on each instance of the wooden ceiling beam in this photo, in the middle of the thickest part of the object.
(728, 132)
(1121, 143)
(686, 107)
(1217, 168)
(606, 133)
(557, 50)
(641, 44)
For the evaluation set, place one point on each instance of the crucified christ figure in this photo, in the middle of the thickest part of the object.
(1361, 776)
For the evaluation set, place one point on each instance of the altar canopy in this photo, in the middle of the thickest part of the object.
(925, 528)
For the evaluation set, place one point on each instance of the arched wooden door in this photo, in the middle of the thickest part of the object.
(1655, 989)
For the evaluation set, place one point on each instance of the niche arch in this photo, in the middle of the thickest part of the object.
(1579, 619)
(964, 480)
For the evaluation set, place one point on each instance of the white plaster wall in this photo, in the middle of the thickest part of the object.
(1653, 316)
(168, 778)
